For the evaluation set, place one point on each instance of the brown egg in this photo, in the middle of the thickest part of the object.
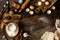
(32, 7)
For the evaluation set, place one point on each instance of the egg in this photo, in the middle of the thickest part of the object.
(32, 7)
(4, 5)
(43, 0)
(46, 3)
(27, 9)
(39, 3)
(15, 10)
(49, 12)
(31, 12)
(53, 7)
(7, 2)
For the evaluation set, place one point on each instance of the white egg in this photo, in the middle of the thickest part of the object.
(31, 12)
(53, 7)
(43, 0)
(46, 3)
(4, 5)
(49, 12)
(27, 10)
(39, 3)
(7, 2)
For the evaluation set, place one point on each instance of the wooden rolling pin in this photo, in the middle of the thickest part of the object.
(24, 5)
